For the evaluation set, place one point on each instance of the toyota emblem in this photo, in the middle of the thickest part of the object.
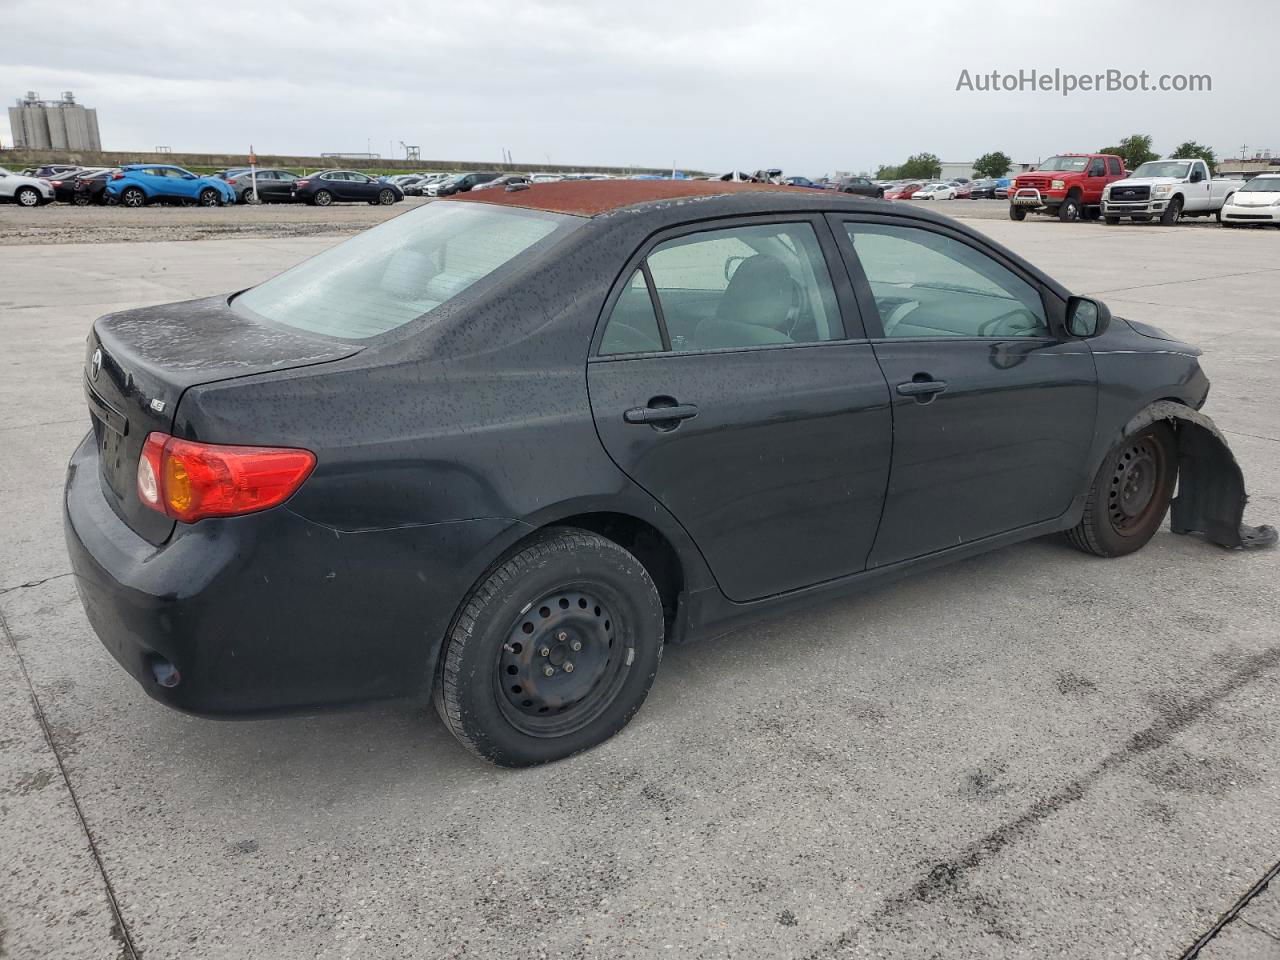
(95, 365)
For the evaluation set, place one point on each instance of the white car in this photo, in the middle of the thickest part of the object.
(935, 191)
(24, 191)
(1257, 201)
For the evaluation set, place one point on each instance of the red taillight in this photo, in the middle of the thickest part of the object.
(117, 176)
(300, 183)
(232, 182)
(190, 481)
(55, 183)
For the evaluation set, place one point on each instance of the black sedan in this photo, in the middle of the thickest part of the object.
(89, 188)
(982, 190)
(860, 186)
(264, 186)
(344, 186)
(64, 185)
(499, 450)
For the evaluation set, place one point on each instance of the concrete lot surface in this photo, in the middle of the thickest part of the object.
(1030, 754)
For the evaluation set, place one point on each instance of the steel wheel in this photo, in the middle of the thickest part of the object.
(558, 668)
(1069, 210)
(29, 196)
(1138, 474)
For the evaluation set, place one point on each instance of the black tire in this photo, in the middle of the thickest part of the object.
(322, 198)
(1172, 213)
(1111, 221)
(1141, 218)
(133, 197)
(27, 197)
(879, 194)
(1092, 213)
(1016, 212)
(209, 198)
(1218, 215)
(249, 197)
(81, 199)
(566, 586)
(1069, 210)
(1130, 495)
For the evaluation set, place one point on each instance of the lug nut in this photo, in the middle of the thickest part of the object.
(576, 645)
(545, 651)
(568, 668)
(562, 636)
(550, 671)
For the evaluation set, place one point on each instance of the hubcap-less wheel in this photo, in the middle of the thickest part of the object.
(386, 196)
(209, 198)
(559, 666)
(324, 198)
(1138, 473)
(133, 197)
(28, 197)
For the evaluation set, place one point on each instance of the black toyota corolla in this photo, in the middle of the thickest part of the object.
(501, 449)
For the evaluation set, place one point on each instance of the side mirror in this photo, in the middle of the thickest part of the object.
(1196, 176)
(1087, 317)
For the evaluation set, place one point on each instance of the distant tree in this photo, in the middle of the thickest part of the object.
(993, 165)
(921, 166)
(1190, 149)
(1134, 149)
(886, 172)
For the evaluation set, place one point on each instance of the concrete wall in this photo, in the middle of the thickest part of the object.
(16, 159)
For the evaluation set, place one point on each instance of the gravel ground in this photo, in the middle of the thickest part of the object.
(64, 223)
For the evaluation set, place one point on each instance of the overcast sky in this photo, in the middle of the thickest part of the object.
(812, 86)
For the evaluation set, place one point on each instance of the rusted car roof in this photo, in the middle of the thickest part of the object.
(589, 198)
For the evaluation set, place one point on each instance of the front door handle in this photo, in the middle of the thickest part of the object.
(921, 388)
(660, 415)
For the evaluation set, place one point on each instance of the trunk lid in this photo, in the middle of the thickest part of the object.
(138, 363)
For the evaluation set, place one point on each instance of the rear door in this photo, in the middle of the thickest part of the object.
(993, 412)
(732, 381)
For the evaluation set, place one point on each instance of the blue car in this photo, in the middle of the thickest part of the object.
(138, 184)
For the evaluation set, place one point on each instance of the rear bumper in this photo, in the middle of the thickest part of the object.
(271, 611)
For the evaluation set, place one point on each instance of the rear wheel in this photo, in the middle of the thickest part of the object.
(1130, 495)
(1016, 212)
(81, 199)
(323, 198)
(133, 197)
(553, 652)
(27, 196)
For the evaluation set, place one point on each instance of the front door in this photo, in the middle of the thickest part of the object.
(993, 412)
(729, 384)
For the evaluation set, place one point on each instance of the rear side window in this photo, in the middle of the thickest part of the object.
(741, 287)
(633, 324)
(402, 269)
(1113, 166)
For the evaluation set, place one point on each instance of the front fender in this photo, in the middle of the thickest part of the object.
(1211, 495)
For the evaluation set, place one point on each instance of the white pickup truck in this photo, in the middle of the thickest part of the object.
(1167, 190)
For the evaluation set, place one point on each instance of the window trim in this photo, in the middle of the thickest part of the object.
(1054, 307)
(848, 306)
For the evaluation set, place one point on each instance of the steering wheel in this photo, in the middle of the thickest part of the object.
(1019, 312)
(898, 314)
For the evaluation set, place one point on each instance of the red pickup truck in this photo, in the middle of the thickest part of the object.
(1068, 186)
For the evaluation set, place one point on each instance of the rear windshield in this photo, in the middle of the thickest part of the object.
(402, 269)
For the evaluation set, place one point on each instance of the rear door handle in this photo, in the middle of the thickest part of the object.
(680, 411)
(921, 388)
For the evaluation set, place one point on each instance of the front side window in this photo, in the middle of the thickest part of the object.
(929, 285)
(401, 269)
(745, 286)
